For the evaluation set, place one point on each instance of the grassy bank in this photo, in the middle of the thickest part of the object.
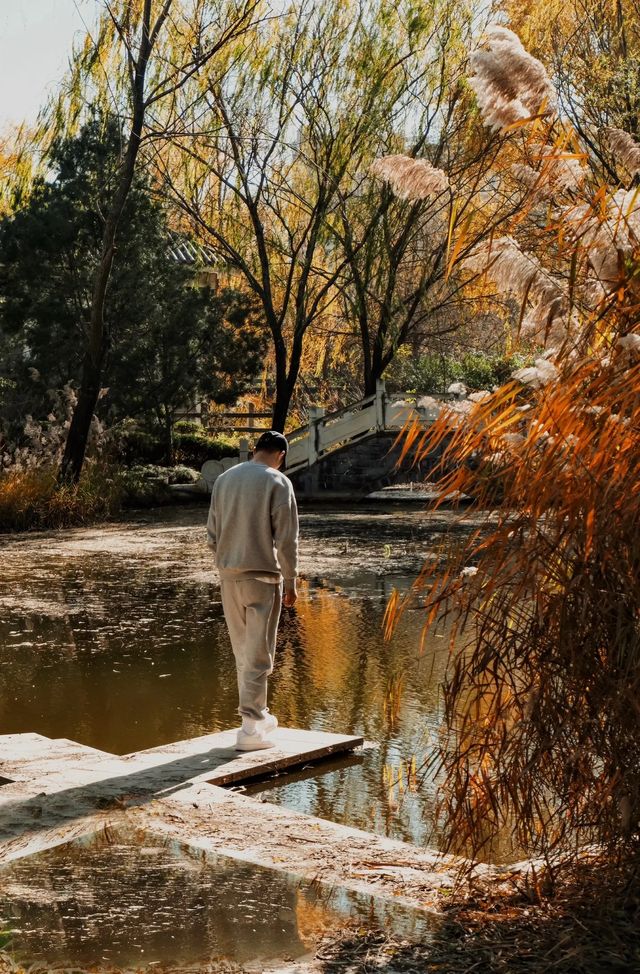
(31, 499)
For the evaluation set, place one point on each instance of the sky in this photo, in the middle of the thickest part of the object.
(36, 37)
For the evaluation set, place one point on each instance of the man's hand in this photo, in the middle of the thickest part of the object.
(290, 596)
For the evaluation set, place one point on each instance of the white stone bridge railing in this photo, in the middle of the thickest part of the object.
(326, 432)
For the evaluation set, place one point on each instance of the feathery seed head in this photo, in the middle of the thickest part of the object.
(521, 274)
(625, 149)
(410, 179)
(510, 84)
(539, 374)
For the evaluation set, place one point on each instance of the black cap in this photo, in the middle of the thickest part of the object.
(273, 442)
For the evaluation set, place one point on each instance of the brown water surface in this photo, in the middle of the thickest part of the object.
(115, 637)
(124, 900)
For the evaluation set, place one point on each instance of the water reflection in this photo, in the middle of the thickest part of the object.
(129, 900)
(116, 638)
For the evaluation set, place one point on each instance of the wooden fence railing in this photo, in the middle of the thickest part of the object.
(249, 417)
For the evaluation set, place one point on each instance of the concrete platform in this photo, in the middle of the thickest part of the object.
(214, 821)
(57, 789)
(61, 790)
(57, 763)
(213, 758)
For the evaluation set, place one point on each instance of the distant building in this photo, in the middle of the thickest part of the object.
(209, 267)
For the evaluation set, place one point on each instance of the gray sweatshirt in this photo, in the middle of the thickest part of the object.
(253, 523)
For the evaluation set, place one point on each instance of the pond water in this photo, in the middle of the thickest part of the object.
(86, 905)
(114, 636)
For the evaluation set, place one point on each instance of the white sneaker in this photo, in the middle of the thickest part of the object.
(268, 723)
(252, 742)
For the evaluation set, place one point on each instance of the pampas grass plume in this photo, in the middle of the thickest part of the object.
(510, 84)
(410, 179)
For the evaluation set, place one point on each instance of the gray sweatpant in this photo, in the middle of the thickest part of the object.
(252, 612)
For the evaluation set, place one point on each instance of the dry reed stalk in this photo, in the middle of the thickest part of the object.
(542, 716)
(541, 732)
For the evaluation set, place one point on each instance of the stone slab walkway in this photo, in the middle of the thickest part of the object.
(59, 790)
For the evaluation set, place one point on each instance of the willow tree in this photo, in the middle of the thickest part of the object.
(595, 66)
(396, 284)
(17, 168)
(293, 128)
(143, 54)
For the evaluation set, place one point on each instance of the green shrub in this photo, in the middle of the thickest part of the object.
(186, 426)
(145, 485)
(433, 374)
(194, 447)
(148, 485)
(480, 371)
(139, 446)
(182, 475)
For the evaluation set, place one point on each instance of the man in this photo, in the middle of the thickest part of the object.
(253, 531)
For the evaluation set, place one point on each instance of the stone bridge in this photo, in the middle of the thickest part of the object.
(353, 452)
(359, 468)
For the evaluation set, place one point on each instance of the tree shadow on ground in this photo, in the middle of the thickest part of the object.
(588, 926)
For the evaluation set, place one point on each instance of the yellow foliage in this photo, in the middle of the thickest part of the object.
(16, 167)
(32, 498)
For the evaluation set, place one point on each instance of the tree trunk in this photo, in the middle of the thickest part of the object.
(76, 445)
(285, 385)
(91, 379)
(283, 392)
(286, 379)
(78, 436)
(281, 408)
(369, 380)
(168, 439)
(93, 365)
(376, 366)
